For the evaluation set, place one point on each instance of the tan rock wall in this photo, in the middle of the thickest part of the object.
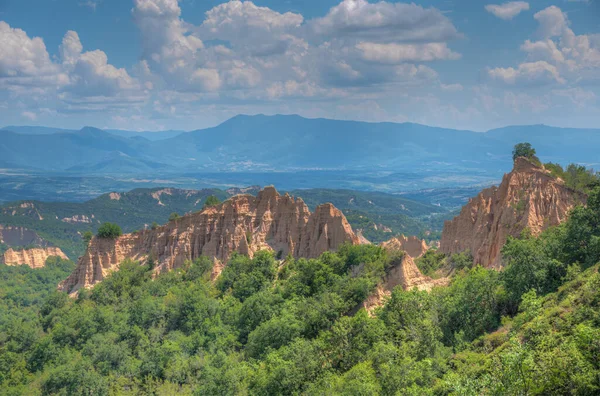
(243, 224)
(528, 197)
(35, 258)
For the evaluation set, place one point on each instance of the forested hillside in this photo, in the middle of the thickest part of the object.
(262, 328)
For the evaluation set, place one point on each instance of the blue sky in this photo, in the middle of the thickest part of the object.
(189, 64)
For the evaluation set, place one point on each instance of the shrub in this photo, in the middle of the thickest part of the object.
(87, 237)
(524, 150)
(109, 230)
(211, 201)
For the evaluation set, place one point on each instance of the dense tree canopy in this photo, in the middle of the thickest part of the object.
(297, 328)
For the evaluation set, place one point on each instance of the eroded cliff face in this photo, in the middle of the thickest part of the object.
(404, 273)
(528, 197)
(243, 224)
(412, 245)
(35, 258)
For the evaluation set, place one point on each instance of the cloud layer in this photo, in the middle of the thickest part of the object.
(373, 60)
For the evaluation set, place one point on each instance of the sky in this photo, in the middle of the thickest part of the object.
(191, 64)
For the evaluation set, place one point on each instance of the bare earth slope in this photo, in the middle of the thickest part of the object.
(528, 197)
(243, 224)
(35, 257)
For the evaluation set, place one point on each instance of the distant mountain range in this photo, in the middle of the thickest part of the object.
(288, 142)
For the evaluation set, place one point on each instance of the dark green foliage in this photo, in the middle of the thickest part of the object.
(211, 200)
(109, 231)
(430, 262)
(524, 150)
(87, 237)
(260, 329)
(174, 216)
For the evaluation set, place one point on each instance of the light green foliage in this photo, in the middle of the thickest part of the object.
(575, 176)
(174, 216)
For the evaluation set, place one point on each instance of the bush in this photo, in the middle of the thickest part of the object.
(174, 216)
(87, 237)
(109, 230)
(211, 201)
(524, 150)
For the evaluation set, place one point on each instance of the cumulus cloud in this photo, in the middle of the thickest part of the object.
(508, 10)
(24, 61)
(72, 81)
(387, 21)
(560, 56)
(553, 22)
(527, 73)
(240, 46)
(240, 53)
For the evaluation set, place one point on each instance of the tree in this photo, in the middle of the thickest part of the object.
(109, 231)
(524, 150)
(174, 216)
(211, 201)
(87, 237)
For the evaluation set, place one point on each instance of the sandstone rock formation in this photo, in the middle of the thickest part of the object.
(528, 197)
(404, 273)
(412, 245)
(35, 257)
(243, 224)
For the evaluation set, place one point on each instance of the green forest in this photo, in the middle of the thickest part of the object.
(268, 329)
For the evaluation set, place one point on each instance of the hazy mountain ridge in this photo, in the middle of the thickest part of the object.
(288, 142)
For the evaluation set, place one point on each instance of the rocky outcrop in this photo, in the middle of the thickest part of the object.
(412, 245)
(243, 224)
(404, 272)
(35, 257)
(528, 197)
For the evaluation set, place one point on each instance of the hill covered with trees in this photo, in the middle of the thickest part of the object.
(262, 328)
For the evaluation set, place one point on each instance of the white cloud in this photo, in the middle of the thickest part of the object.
(71, 48)
(553, 22)
(508, 10)
(560, 56)
(241, 54)
(540, 72)
(24, 61)
(387, 21)
(31, 116)
(451, 87)
(397, 53)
